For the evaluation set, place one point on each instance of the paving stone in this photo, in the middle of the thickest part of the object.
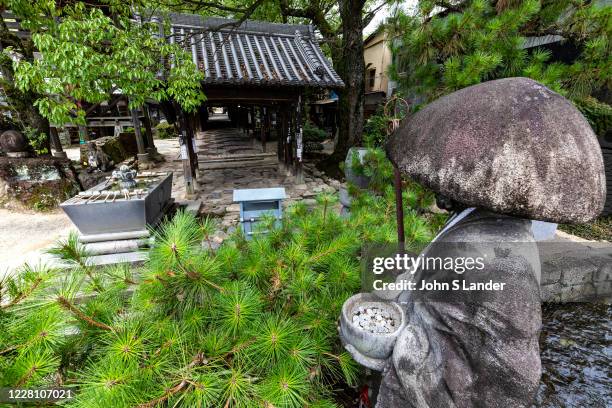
(233, 208)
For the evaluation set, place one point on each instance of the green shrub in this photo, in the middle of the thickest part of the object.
(37, 140)
(165, 130)
(250, 325)
(253, 324)
(312, 137)
(598, 114)
(311, 133)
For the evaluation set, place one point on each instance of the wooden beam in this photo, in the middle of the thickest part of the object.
(247, 94)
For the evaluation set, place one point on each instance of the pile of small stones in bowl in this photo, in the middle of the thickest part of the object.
(374, 320)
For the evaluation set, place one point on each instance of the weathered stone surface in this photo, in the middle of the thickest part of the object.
(13, 141)
(469, 349)
(233, 208)
(358, 180)
(310, 202)
(39, 183)
(511, 145)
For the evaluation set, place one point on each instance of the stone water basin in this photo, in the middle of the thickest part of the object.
(372, 347)
(106, 208)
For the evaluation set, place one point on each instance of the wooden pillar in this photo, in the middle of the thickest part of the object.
(83, 140)
(146, 120)
(280, 137)
(252, 114)
(57, 145)
(299, 145)
(185, 157)
(290, 139)
(265, 125)
(142, 155)
(193, 149)
(244, 119)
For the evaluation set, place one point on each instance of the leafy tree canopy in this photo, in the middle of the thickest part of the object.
(90, 51)
(448, 45)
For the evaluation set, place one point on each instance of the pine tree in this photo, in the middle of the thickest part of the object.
(448, 45)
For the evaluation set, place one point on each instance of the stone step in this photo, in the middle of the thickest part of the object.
(237, 156)
(114, 236)
(132, 258)
(117, 247)
(238, 164)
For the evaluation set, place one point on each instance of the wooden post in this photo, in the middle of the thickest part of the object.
(252, 111)
(185, 157)
(83, 139)
(265, 126)
(290, 138)
(57, 145)
(299, 145)
(399, 209)
(244, 119)
(280, 137)
(142, 155)
(194, 149)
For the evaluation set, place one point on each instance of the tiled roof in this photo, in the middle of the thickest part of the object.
(254, 53)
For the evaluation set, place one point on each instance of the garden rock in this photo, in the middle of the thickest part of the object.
(39, 183)
(310, 202)
(350, 174)
(14, 144)
(510, 145)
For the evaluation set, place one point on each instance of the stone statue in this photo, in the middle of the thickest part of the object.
(97, 159)
(500, 154)
(126, 177)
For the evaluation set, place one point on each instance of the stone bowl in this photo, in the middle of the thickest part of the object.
(370, 345)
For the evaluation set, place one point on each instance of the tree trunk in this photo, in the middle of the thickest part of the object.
(351, 69)
(21, 104)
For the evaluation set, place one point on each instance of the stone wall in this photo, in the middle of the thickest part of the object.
(577, 272)
(38, 183)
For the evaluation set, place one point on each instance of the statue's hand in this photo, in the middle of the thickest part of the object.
(375, 364)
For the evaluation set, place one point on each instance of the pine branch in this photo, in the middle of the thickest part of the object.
(9, 349)
(65, 303)
(196, 276)
(23, 294)
(197, 361)
(26, 376)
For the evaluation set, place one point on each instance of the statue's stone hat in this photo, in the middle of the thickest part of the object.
(511, 145)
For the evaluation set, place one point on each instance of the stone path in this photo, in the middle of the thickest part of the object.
(230, 160)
